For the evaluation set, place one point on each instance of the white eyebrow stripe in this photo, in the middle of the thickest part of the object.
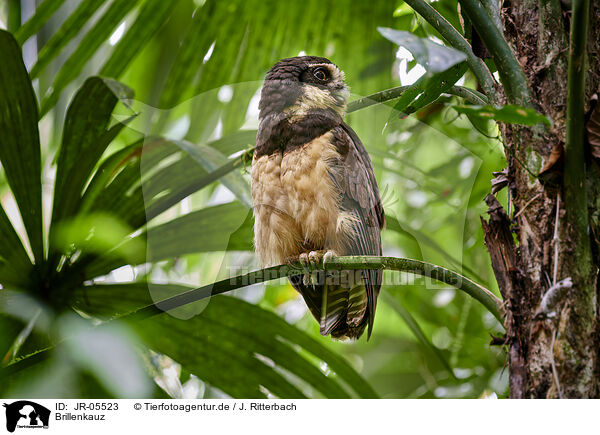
(336, 73)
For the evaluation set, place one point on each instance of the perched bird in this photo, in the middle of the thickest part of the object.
(315, 193)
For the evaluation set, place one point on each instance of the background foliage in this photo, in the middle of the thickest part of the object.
(120, 200)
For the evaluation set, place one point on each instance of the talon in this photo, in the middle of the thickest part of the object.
(328, 256)
(304, 262)
(303, 259)
(306, 279)
(315, 257)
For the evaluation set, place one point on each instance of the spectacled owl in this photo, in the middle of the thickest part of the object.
(315, 193)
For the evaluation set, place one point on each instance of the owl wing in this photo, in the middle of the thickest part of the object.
(360, 197)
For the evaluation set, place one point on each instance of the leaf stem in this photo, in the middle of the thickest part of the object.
(456, 40)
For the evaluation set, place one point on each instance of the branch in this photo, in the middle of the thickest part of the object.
(492, 8)
(470, 95)
(483, 295)
(376, 98)
(456, 40)
(456, 280)
(513, 77)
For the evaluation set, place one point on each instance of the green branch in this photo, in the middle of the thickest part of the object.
(376, 98)
(491, 302)
(456, 40)
(470, 95)
(513, 77)
(575, 174)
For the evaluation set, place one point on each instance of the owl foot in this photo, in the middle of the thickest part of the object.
(315, 257)
(305, 263)
(311, 262)
(328, 256)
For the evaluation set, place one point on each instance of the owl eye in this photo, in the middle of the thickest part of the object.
(321, 74)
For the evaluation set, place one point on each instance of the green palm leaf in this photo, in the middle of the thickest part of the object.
(20, 144)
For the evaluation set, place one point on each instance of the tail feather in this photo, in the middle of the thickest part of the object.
(337, 300)
(334, 302)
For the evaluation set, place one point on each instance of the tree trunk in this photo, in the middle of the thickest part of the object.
(553, 350)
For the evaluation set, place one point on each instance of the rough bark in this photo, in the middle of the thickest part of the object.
(549, 355)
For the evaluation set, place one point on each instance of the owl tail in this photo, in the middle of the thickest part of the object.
(334, 304)
(338, 304)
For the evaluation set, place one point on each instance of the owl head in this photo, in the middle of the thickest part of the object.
(298, 85)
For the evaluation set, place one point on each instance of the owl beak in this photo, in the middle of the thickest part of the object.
(341, 96)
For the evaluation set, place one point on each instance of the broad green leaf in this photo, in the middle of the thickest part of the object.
(86, 49)
(510, 114)
(216, 355)
(15, 264)
(41, 16)
(437, 85)
(427, 89)
(100, 234)
(109, 354)
(183, 179)
(118, 174)
(189, 60)
(226, 227)
(120, 186)
(152, 15)
(107, 170)
(433, 57)
(19, 143)
(211, 160)
(205, 230)
(106, 301)
(27, 319)
(144, 180)
(235, 142)
(293, 335)
(69, 29)
(86, 136)
(205, 344)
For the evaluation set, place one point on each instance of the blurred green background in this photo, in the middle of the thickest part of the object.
(144, 219)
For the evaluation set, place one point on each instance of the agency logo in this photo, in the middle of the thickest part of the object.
(26, 414)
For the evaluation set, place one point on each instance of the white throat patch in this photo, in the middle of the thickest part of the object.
(314, 97)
